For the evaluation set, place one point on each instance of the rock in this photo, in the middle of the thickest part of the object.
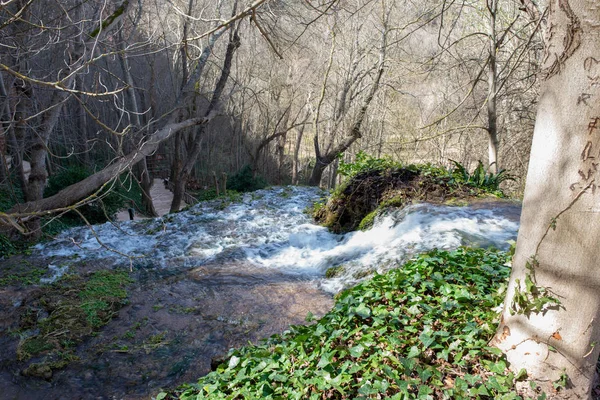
(39, 371)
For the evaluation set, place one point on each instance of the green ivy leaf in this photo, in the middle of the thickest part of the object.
(363, 311)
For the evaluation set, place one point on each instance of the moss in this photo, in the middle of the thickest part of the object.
(456, 202)
(38, 370)
(65, 313)
(45, 369)
(395, 201)
(33, 346)
(363, 274)
(334, 272)
(103, 289)
(110, 19)
(367, 221)
(21, 273)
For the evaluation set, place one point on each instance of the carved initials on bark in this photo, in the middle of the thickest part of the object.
(571, 39)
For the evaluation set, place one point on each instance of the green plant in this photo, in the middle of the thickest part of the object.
(21, 275)
(364, 162)
(367, 222)
(83, 306)
(418, 332)
(334, 272)
(10, 195)
(246, 181)
(562, 382)
(7, 246)
(530, 298)
(480, 177)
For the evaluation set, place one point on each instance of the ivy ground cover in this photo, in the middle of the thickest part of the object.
(418, 332)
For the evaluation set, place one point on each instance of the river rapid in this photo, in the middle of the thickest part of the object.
(220, 274)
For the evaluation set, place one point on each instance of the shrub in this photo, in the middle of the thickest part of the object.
(7, 247)
(364, 162)
(9, 196)
(245, 181)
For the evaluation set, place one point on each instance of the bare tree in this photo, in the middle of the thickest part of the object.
(503, 49)
(347, 94)
(89, 56)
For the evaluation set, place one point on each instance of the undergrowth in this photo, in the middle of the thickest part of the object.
(121, 193)
(245, 180)
(479, 178)
(419, 332)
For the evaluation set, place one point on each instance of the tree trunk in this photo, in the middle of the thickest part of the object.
(194, 150)
(558, 239)
(146, 182)
(18, 134)
(178, 193)
(333, 173)
(4, 173)
(317, 172)
(39, 150)
(295, 160)
(81, 190)
(492, 85)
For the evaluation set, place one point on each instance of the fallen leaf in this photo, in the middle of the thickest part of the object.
(448, 383)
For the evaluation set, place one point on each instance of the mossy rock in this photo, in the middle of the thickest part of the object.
(38, 370)
(361, 195)
(359, 200)
(456, 202)
(363, 273)
(367, 222)
(334, 272)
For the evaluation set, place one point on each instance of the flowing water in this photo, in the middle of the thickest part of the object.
(220, 274)
(270, 229)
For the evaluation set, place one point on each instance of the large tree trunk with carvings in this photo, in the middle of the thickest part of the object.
(558, 240)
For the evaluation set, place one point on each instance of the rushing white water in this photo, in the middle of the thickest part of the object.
(270, 229)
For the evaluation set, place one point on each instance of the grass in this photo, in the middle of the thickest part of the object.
(417, 332)
(21, 273)
(67, 312)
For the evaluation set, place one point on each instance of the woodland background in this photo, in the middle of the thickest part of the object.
(200, 91)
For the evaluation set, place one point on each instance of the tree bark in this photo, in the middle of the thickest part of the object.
(194, 150)
(558, 239)
(492, 109)
(295, 160)
(39, 149)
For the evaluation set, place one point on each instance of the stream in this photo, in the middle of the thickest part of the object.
(220, 274)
